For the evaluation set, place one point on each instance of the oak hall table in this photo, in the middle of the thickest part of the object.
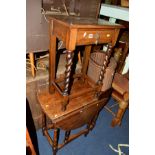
(77, 31)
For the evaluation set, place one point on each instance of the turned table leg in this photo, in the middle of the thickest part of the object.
(121, 110)
(69, 58)
(101, 76)
(55, 141)
(88, 128)
(106, 61)
(91, 124)
(31, 55)
(67, 134)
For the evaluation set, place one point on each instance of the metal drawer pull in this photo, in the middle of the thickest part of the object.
(108, 35)
(90, 35)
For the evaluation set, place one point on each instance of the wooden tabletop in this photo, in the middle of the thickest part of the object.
(51, 103)
(80, 22)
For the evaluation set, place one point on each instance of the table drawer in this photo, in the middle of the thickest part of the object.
(94, 36)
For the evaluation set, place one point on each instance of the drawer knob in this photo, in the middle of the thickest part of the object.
(96, 36)
(108, 35)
